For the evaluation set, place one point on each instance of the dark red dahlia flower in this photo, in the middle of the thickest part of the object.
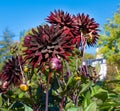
(60, 18)
(11, 72)
(47, 42)
(87, 28)
(63, 20)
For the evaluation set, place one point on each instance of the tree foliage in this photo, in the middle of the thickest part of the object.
(89, 56)
(109, 42)
(5, 43)
(109, 47)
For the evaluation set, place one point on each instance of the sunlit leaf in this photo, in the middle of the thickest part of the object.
(92, 107)
(27, 108)
(85, 87)
(1, 100)
(75, 109)
(21, 95)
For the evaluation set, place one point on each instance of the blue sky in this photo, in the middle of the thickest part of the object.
(19, 15)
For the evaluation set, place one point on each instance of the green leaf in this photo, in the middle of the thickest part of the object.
(99, 93)
(94, 90)
(85, 87)
(27, 108)
(75, 109)
(0, 99)
(81, 108)
(4, 109)
(113, 95)
(108, 105)
(92, 107)
(11, 106)
(70, 80)
(114, 81)
(69, 105)
(97, 89)
(87, 98)
(21, 95)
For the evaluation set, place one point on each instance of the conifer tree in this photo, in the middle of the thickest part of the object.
(5, 44)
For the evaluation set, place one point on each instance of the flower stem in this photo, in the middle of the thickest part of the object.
(61, 103)
(47, 88)
(76, 63)
(30, 89)
(46, 108)
(21, 68)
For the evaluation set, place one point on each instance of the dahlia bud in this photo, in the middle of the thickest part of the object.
(25, 69)
(4, 85)
(55, 64)
(27, 40)
(24, 87)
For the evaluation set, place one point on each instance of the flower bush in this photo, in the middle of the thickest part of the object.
(51, 74)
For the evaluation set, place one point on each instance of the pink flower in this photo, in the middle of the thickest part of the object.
(55, 64)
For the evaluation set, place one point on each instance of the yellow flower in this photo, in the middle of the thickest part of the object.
(25, 69)
(24, 87)
(77, 78)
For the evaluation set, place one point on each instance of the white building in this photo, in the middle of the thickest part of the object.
(101, 63)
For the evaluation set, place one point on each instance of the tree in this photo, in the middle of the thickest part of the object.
(89, 56)
(110, 40)
(5, 43)
(109, 47)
